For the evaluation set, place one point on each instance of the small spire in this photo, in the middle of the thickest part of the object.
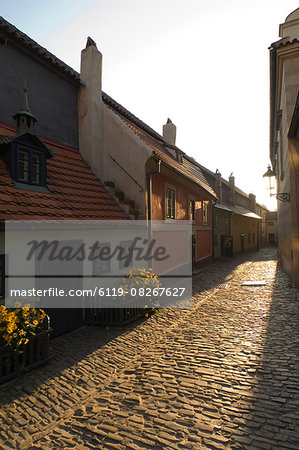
(24, 118)
(25, 106)
(90, 42)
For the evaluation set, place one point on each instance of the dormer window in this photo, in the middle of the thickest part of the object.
(179, 157)
(30, 166)
(25, 153)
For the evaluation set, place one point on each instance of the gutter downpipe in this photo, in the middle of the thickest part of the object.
(214, 201)
(149, 187)
(149, 199)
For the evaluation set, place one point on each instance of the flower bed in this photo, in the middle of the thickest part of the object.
(24, 340)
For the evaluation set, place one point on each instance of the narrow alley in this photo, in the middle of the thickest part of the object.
(224, 374)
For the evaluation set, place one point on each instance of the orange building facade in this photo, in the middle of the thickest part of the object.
(174, 197)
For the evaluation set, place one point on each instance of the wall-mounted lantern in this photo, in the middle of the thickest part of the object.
(282, 196)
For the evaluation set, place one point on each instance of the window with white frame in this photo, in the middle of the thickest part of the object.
(170, 203)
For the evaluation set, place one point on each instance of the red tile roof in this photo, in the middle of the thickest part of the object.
(75, 193)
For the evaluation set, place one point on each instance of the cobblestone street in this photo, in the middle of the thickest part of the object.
(224, 374)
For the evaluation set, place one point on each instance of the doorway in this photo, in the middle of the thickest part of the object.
(242, 243)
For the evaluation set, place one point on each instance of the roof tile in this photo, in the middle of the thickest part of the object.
(73, 194)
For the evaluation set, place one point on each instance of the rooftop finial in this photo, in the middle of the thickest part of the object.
(25, 106)
(25, 119)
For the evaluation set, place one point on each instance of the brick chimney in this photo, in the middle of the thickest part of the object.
(232, 194)
(90, 108)
(252, 203)
(218, 185)
(169, 132)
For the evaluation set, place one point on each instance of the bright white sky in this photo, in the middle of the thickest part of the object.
(203, 63)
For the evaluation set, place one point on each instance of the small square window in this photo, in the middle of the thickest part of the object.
(29, 166)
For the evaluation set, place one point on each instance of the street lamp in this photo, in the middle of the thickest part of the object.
(282, 196)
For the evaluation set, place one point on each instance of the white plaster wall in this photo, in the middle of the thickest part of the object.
(287, 103)
(290, 86)
(90, 109)
(289, 90)
(130, 152)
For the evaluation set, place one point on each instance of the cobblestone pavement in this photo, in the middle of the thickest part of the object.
(222, 375)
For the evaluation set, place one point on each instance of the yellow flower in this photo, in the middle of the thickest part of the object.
(35, 322)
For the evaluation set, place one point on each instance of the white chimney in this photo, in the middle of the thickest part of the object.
(218, 185)
(90, 108)
(252, 203)
(232, 193)
(169, 132)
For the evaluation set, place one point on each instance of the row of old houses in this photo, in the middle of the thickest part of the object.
(69, 151)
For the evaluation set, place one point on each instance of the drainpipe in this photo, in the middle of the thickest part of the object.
(149, 187)
(149, 199)
(213, 229)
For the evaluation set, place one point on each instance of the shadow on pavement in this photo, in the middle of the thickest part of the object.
(66, 352)
(274, 408)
